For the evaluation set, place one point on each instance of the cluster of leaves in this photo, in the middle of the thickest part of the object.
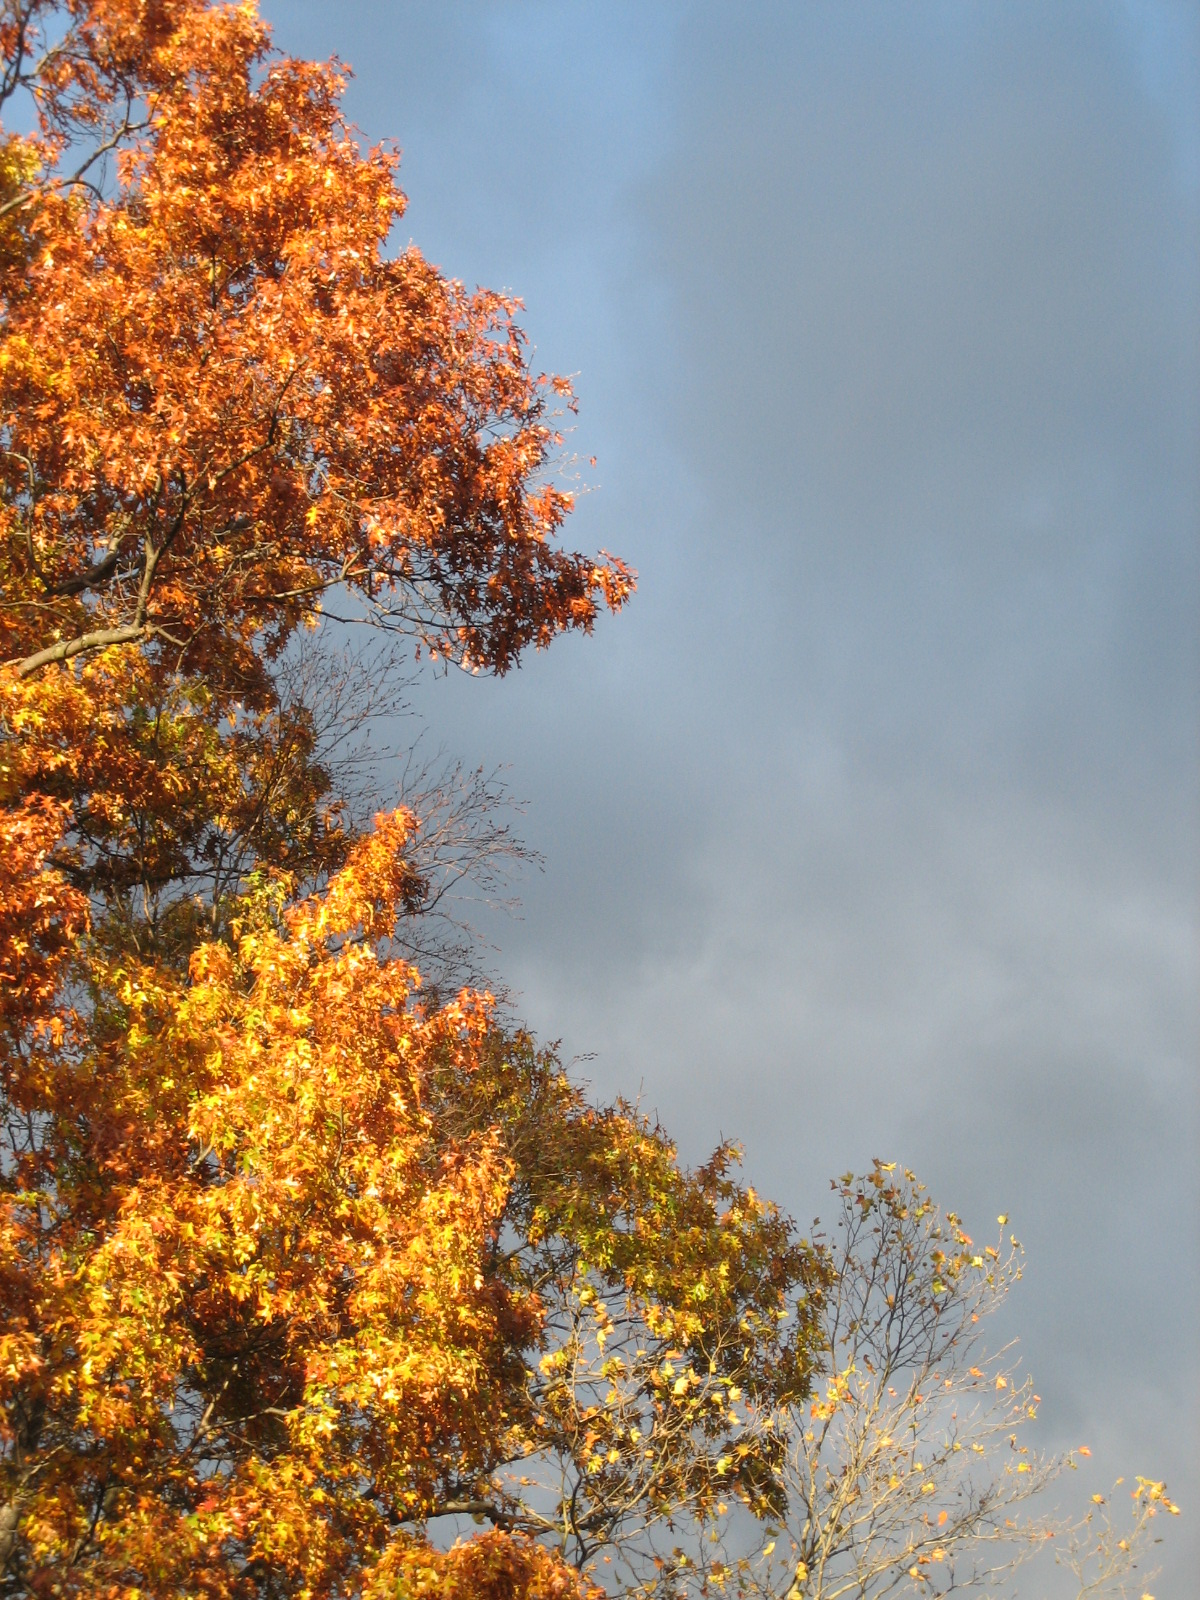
(300, 1262)
(222, 398)
(292, 1263)
(676, 1309)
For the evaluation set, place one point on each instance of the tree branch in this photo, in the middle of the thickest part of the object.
(66, 648)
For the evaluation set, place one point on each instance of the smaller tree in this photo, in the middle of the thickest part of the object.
(910, 1474)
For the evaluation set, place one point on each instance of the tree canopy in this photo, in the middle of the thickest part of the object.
(317, 1279)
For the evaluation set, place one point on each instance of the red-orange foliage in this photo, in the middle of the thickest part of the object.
(221, 397)
(293, 1262)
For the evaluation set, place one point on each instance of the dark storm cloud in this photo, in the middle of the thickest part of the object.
(871, 829)
(934, 371)
(935, 334)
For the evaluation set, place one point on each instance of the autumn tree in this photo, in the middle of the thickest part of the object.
(315, 1279)
(298, 1263)
(913, 1472)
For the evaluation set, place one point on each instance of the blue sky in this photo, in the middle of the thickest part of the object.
(871, 828)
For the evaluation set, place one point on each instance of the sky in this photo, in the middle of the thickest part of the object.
(870, 829)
